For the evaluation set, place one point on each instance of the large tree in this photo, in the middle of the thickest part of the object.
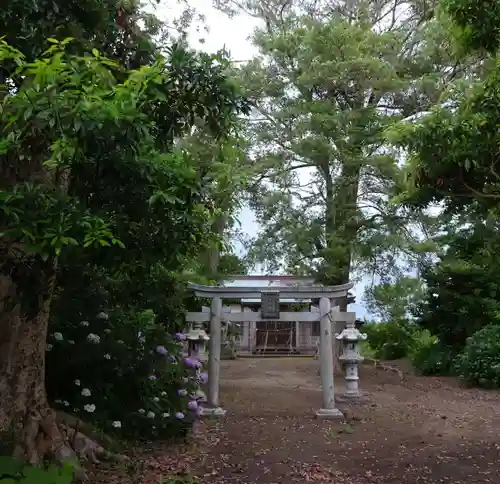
(70, 123)
(330, 78)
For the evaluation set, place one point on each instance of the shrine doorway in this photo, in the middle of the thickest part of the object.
(275, 337)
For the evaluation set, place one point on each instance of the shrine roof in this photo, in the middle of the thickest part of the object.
(275, 281)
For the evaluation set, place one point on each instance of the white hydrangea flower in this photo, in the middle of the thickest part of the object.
(77, 383)
(156, 399)
(141, 410)
(84, 323)
(107, 356)
(66, 403)
(151, 414)
(89, 408)
(102, 315)
(166, 415)
(120, 342)
(48, 347)
(107, 331)
(93, 338)
(117, 424)
(71, 342)
(58, 336)
(163, 394)
(86, 392)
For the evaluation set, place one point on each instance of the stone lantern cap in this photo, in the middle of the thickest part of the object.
(197, 334)
(351, 334)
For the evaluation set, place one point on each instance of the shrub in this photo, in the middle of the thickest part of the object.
(389, 341)
(429, 357)
(479, 362)
(16, 472)
(122, 373)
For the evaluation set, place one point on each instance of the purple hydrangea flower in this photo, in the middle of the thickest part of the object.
(179, 415)
(203, 377)
(172, 358)
(182, 392)
(161, 350)
(193, 405)
(152, 377)
(192, 363)
(180, 336)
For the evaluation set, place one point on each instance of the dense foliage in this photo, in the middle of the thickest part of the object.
(462, 133)
(463, 287)
(429, 357)
(479, 363)
(391, 340)
(104, 203)
(394, 301)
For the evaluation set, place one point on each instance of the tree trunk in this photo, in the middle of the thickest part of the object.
(341, 227)
(26, 286)
(213, 253)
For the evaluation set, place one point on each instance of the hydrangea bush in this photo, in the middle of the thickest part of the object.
(123, 373)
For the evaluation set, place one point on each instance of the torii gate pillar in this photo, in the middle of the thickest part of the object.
(214, 350)
(328, 409)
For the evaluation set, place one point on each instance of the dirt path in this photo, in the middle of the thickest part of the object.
(410, 430)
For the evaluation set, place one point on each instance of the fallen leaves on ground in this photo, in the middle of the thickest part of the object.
(417, 429)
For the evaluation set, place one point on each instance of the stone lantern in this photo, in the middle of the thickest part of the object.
(351, 357)
(196, 338)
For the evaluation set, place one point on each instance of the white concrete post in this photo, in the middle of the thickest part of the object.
(328, 409)
(214, 349)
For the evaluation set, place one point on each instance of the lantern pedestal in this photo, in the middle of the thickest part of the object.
(351, 357)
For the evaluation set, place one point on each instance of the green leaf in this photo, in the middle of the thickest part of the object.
(28, 113)
(10, 466)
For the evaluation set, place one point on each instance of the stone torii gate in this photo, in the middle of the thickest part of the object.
(328, 316)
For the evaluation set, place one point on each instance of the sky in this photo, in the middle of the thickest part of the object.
(233, 35)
